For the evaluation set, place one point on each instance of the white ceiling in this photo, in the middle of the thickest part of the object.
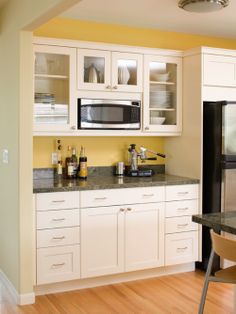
(159, 14)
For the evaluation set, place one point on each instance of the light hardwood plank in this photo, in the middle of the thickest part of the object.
(175, 294)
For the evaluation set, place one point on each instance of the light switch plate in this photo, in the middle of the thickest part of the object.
(5, 156)
(54, 158)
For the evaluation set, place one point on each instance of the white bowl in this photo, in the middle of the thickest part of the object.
(160, 77)
(157, 120)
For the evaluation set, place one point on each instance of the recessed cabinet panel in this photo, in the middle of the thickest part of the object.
(162, 94)
(101, 241)
(219, 70)
(144, 236)
(54, 80)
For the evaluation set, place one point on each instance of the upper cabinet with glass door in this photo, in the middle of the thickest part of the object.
(109, 71)
(162, 94)
(54, 86)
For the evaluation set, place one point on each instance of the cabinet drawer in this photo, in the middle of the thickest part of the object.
(181, 208)
(57, 200)
(58, 218)
(56, 264)
(181, 248)
(179, 224)
(58, 237)
(181, 192)
(99, 198)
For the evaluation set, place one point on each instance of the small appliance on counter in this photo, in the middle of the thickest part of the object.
(133, 169)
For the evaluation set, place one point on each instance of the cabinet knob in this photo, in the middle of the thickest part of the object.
(129, 209)
(146, 128)
(115, 87)
(122, 209)
(73, 127)
(108, 87)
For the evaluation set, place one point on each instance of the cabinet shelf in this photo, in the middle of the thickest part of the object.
(47, 76)
(161, 83)
(162, 109)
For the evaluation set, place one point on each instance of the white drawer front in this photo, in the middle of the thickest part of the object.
(97, 198)
(181, 248)
(181, 208)
(56, 264)
(57, 200)
(179, 224)
(58, 237)
(58, 218)
(181, 192)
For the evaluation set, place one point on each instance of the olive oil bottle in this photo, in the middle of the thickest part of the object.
(83, 170)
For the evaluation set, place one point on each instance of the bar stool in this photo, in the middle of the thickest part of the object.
(225, 248)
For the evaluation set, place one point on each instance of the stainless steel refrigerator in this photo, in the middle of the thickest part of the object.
(219, 165)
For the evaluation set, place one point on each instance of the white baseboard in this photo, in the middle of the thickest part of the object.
(20, 299)
(113, 279)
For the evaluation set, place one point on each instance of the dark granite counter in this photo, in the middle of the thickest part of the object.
(218, 221)
(46, 185)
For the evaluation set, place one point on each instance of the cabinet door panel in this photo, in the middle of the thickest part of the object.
(102, 241)
(219, 70)
(127, 72)
(94, 69)
(144, 236)
(54, 84)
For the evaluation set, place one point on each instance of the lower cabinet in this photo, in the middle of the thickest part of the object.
(121, 238)
(88, 234)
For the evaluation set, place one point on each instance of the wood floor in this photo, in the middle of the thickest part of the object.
(173, 294)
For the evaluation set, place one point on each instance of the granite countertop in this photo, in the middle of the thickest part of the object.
(218, 221)
(46, 185)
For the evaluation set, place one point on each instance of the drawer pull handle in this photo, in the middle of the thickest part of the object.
(129, 209)
(58, 201)
(148, 195)
(58, 265)
(182, 225)
(183, 193)
(100, 198)
(58, 238)
(182, 209)
(182, 248)
(58, 219)
(122, 209)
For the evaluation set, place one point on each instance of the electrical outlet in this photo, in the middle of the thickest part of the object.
(54, 158)
(5, 156)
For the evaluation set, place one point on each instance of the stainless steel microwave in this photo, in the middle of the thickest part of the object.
(108, 114)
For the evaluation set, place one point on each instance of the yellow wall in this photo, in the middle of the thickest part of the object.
(101, 150)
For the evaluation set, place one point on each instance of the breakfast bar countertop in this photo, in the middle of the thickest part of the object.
(46, 185)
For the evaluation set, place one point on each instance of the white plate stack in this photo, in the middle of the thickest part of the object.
(160, 99)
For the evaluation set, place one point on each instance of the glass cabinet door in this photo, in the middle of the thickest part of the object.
(94, 69)
(162, 95)
(127, 72)
(53, 88)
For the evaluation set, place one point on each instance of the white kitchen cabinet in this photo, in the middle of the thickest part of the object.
(54, 88)
(144, 236)
(219, 70)
(162, 107)
(122, 238)
(103, 70)
(57, 237)
(102, 237)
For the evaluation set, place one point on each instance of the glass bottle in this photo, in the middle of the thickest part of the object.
(74, 160)
(83, 171)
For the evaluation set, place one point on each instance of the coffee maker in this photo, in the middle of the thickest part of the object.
(133, 169)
